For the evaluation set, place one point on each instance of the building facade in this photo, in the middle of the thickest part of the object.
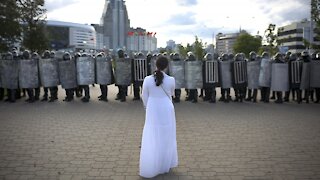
(293, 37)
(225, 42)
(114, 25)
(66, 35)
(139, 40)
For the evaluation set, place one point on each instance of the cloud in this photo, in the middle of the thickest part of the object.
(181, 19)
(187, 2)
(52, 5)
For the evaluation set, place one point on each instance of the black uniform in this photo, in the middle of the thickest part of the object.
(225, 92)
(177, 92)
(278, 59)
(192, 93)
(210, 83)
(143, 70)
(252, 93)
(239, 77)
(265, 91)
(317, 90)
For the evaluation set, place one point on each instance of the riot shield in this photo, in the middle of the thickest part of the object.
(239, 73)
(1, 69)
(103, 71)
(140, 70)
(176, 70)
(49, 75)
(193, 74)
(225, 74)
(123, 71)
(265, 73)
(153, 64)
(85, 71)
(28, 73)
(253, 71)
(280, 77)
(211, 73)
(315, 74)
(305, 76)
(68, 74)
(9, 73)
(295, 73)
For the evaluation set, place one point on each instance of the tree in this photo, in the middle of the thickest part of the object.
(10, 30)
(182, 51)
(198, 48)
(270, 39)
(33, 18)
(315, 17)
(246, 43)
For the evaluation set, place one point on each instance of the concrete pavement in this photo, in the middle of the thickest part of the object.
(100, 140)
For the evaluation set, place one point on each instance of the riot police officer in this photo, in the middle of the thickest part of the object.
(225, 89)
(177, 91)
(278, 59)
(123, 89)
(239, 77)
(306, 62)
(78, 90)
(69, 91)
(210, 76)
(139, 71)
(265, 86)
(11, 93)
(106, 76)
(86, 88)
(252, 93)
(317, 89)
(193, 93)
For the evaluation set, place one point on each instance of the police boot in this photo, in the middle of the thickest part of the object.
(213, 96)
(207, 94)
(12, 97)
(273, 95)
(267, 95)
(254, 97)
(86, 97)
(307, 94)
(104, 90)
(228, 96)
(53, 93)
(1, 94)
(286, 97)
(37, 94)
(31, 95)
(293, 92)
(195, 96)
(249, 95)
(177, 93)
(223, 94)
(45, 96)
(23, 92)
(136, 92)
(201, 93)
(279, 98)
(79, 91)
(18, 93)
(312, 95)
(237, 94)
(317, 95)
(299, 94)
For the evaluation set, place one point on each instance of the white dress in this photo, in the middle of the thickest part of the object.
(159, 145)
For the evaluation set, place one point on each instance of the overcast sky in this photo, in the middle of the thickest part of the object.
(181, 20)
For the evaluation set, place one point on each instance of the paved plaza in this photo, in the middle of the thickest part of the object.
(100, 140)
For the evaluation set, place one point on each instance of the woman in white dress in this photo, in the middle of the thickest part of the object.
(159, 145)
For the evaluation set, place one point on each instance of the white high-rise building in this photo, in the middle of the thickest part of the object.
(115, 24)
(139, 40)
(225, 42)
(292, 37)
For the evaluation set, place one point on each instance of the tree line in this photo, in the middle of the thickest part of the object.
(23, 21)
